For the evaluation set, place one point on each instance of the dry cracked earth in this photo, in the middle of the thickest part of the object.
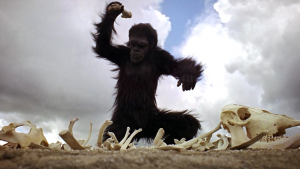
(145, 158)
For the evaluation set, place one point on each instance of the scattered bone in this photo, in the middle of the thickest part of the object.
(89, 136)
(56, 146)
(38, 146)
(125, 145)
(179, 141)
(126, 136)
(70, 140)
(112, 135)
(101, 132)
(158, 138)
(68, 137)
(250, 142)
(223, 142)
(12, 145)
(125, 13)
(35, 135)
(72, 122)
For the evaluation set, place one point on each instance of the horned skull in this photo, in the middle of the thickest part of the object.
(236, 118)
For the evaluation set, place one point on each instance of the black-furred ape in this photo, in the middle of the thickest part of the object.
(140, 64)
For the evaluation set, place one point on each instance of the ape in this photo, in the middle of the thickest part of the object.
(139, 66)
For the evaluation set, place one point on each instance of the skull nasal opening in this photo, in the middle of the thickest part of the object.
(243, 113)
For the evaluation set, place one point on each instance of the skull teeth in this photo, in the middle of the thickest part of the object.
(271, 138)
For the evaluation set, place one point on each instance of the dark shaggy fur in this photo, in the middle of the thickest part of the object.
(135, 104)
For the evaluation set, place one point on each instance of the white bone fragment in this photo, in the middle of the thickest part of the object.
(125, 145)
(108, 144)
(89, 136)
(66, 147)
(210, 133)
(70, 140)
(179, 141)
(35, 135)
(112, 135)
(223, 142)
(37, 146)
(12, 145)
(56, 146)
(125, 137)
(125, 13)
(250, 142)
(158, 138)
(101, 132)
(72, 122)
(68, 137)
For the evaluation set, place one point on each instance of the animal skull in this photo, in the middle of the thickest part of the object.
(256, 121)
(35, 135)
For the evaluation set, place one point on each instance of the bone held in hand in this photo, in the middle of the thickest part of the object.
(125, 13)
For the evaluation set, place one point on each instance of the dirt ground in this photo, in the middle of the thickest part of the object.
(145, 158)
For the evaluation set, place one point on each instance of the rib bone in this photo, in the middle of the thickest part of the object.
(102, 128)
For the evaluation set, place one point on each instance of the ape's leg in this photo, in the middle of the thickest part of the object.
(177, 125)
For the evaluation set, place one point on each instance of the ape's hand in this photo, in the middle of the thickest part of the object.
(114, 9)
(188, 82)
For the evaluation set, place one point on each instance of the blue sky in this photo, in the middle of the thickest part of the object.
(181, 13)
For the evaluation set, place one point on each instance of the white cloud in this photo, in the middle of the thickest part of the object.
(48, 71)
(251, 57)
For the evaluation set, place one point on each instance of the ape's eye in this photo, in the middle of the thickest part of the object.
(143, 44)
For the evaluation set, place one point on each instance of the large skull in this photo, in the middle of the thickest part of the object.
(35, 135)
(255, 121)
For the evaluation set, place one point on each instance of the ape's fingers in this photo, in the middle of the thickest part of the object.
(194, 83)
(179, 83)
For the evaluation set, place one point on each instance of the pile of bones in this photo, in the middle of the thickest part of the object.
(249, 128)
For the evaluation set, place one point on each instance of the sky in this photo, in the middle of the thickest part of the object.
(49, 74)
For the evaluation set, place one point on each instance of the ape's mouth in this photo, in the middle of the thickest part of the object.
(136, 58)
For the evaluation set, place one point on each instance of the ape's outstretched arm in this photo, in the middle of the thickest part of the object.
(186, 70)
(104, 47)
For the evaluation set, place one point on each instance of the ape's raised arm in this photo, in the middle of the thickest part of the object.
(104, 47)
(186, 70)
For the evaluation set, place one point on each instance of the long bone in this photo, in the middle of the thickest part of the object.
(223, 142)
(190, 143)
(101, 131)
(125, 13)
(125, 145)
(158, 138)
(68, 137)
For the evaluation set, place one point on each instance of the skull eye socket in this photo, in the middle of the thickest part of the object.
(243, 113)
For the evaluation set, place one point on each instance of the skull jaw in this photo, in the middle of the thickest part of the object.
(239, 137)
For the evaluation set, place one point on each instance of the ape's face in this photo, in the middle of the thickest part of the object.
(139, 47)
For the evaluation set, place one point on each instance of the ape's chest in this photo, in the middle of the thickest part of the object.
(142, 70)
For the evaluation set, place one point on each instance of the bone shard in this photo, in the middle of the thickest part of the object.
(72, 122)
(101, 132)
(68, 137)
(125, 13)
(35, 135)
(89, 136)
(158, 138)
(126, 136)
(223, 142)
(125, 145)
